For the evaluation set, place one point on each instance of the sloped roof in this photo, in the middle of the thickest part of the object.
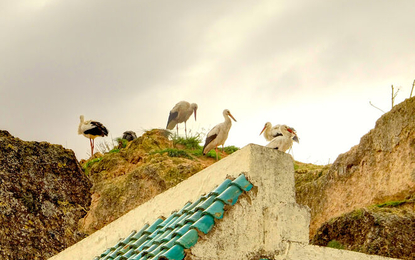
(168, 238)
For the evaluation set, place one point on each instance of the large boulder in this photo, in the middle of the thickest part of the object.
(43, 194)
(386, 229)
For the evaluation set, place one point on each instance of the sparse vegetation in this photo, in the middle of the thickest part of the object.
(212, 154)
(335, 244)
(230, 149)
(173, 152)
(390, 204)
(88, 165)
(122, 143)
(190, 142)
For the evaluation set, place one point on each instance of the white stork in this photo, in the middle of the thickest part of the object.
(283, 142)
(218, 135)
(91, 129)
(270, 132)
(180, 113)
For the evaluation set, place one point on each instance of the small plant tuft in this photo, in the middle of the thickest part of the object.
(390, 204)
(122, 143)
(190, 142)
(335, 244)
(212, 154)
(172, 152)
(230, 149)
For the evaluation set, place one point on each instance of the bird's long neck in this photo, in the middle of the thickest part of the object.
(268, 131)
(228, 121)
(80, 124)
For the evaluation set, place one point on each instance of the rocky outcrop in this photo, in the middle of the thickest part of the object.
(380, 168)
(385, 229)
(43, 194)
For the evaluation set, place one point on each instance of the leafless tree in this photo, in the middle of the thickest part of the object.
(394, 94)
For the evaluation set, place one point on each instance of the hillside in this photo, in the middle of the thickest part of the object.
(364, 201)
(147, 166)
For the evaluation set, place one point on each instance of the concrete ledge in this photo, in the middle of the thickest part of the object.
(242, 161)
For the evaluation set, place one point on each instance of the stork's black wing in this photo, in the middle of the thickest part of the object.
(277, 134)
(208, 140)
(172, 116)
(98, 129)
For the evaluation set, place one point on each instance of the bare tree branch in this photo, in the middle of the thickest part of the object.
(413, 84)
(376, 107)
(394, 95)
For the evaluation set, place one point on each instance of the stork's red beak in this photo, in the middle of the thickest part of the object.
(232, 117)
(263, 129)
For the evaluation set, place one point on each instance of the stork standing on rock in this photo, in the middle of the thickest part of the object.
(270, 132)
(91, 129)
(218, 135)
(283, 142)
(180, 113)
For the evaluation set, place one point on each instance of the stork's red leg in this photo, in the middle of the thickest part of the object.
(90, 144)
(92, 147)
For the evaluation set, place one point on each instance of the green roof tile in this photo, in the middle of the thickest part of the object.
(194, 217)
(153, 227)
(174, 253)
(168, 238)
(230, 195)
(189, 239)
(243, 183)
(221, 188)
(205, 204)
(215, 210)
(205, 223)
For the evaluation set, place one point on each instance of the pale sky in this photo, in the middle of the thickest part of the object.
(313, 65)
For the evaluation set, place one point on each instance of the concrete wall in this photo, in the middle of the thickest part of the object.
(266, 221)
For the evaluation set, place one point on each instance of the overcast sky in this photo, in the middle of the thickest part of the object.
(313, 65)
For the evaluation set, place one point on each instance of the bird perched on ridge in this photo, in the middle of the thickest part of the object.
(91, 129)
(180, 113)
(129, 135)
(283, 142)
(218, 135)
(270, 132)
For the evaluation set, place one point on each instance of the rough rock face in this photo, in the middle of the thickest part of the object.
(125, 179)
(386, 231)
(380, 169)
(43, 194)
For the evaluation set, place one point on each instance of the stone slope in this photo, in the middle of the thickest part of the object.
(43, 194)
